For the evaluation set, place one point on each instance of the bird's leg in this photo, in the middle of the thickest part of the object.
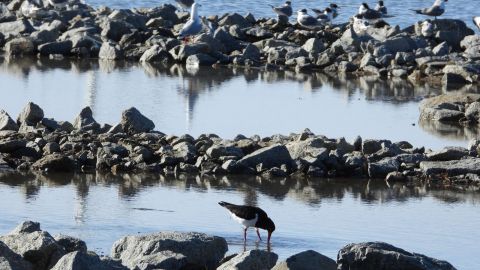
(258, 233)
(245, 235)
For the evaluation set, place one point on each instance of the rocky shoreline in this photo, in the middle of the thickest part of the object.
(28, 247)
(36, 143)
(447, 51)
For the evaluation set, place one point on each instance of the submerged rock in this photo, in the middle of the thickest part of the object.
(378, 255)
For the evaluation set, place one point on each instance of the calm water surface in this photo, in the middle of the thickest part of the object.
(403, 16)
(228, 101)
(316, 214)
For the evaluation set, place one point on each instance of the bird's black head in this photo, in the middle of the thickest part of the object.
(365, 5)
(328, 10)
(380, 3)
(303, 10)
(333, 5)
(288, 3)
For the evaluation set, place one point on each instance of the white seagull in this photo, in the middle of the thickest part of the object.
(436, 10)
(476, 21)
(194, 25)
(285, 10)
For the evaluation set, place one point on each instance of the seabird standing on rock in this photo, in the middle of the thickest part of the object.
(381, 8)
(476, 21)
(368, 13)
(194, 25)
(285, 10)
(308, 21)
(436, 10)
(326, 17)
(185, 4)
(334, 7)
(250, 216)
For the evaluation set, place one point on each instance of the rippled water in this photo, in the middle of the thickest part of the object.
(323, 215)
(403, 16)
(228, 101)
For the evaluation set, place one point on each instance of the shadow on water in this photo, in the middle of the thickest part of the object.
(193, 83)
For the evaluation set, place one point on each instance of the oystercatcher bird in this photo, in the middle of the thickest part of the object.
(250, 216)
(437, 9)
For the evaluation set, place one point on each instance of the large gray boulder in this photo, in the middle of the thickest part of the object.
(251, 260)
(85, 121)
(235, 19)
(378, 255)
(451, 168)
(272, 156)
(10, 145)
(155, 54)
(30, 115)
(36, 246)
(9, 260)
(199, 249)
(71, 244)
(307, 260)
(400, 44)
(54, 163)
(135, 122)
(87, 261)
(383, 167)
(56, 47)
(6, 122)
(16, 28)
(448, 153)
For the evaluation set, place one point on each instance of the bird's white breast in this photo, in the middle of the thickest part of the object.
(246, 222)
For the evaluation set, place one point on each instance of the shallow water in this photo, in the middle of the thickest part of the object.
(318, 214)
(228, 101)
(403, 16)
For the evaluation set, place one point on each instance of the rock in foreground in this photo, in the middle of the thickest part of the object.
(251, 260)
(378, 255)
(307, 260)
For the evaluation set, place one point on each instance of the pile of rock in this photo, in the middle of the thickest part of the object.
(44, 144)
(29, 248)
(449, 52)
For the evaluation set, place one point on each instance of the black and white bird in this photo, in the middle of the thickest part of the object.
(307, 21)
(476, 21)
(285, 10)
(185, 4)
(368, 13)
(333, 7)
(380, 7)
(437, 9)
(250, 216)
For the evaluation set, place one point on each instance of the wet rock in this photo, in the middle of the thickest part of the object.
(452, 31)
(86, 261)
(56, 47)
(252, 52)
(200, 59)
(109, 51)
(167, 248)
(448, 153)
(272, 156)
(229, 42)
(115, 30)
(472, 112)
(11, 145)
(71, 244)
(155, 54)
(43, 36)
(314, 45)
(307, 260)
(36, 246)
(383, 167)
(135, 122)
(451, 168)
(30, 115)
(9, 260)
(217, 151)
(85, 121)
(54, 163)
(253, 259)
(377, 255)
(346, 66)
(452, 81)
(21, 46)
(6, 122)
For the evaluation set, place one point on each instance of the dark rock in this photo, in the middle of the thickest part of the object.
(170, 248)
(200, 59)
(71, 244)
(377, 255)
(400, 44)
(54, 163)
(182, 52)
(156, 54)
(21, 46)
(451, 168)
(135, 122)
(56, 47)
(453, 81)
(9, 260)
(6, 122)
(87, 261)
(11, 145)
(307, 260)
(235, 19)
(252, 259)
(472, 112)
(272, 156)
(383, 167)
(115, 30)
(30, 115)
(448, 153)
(85, 121)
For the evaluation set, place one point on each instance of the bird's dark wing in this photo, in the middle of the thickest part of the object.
(317, 11)
(309, 21)
(433, 11)
(372, 15)
(243, 211)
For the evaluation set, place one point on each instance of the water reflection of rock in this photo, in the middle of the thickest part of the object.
(452, 131)
(193, 83)
(308, 191)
